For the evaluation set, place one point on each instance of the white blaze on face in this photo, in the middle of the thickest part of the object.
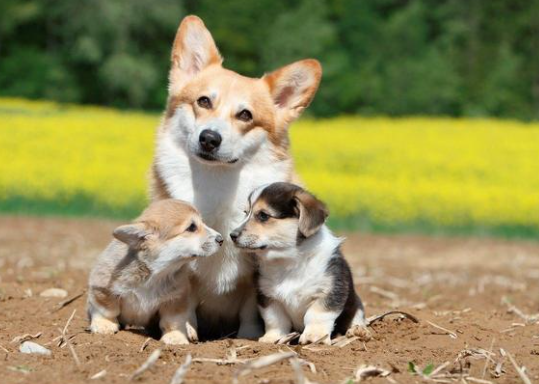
(235, 145)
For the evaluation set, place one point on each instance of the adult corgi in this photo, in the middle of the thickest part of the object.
(222, 136)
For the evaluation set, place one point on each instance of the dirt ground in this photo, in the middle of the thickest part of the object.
(475, 299)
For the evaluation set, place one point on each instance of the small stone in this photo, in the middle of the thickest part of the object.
(54, 292)
(31, 347)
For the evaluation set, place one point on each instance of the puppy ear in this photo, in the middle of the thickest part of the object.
(193, 50)
(312, 213)
(293, 87)
(131, 234)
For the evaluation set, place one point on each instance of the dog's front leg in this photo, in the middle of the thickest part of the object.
(250, 327)
(104, 309)
(276, 321)
(319, 322)
(174, 317)
(192, 323)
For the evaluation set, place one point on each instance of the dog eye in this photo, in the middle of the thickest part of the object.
(262, 216)
(192, 228)
(245, 115)
(204, 102)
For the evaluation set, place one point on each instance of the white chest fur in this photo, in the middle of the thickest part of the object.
(297, 277)
(220, 193)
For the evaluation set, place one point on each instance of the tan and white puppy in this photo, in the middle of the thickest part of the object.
(222, 136)
(141, 279)
(304, 282)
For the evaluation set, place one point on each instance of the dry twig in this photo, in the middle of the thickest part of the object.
(376, 318)
(145, 344)
(525, 379)
(366, 371)
(99, 375)
(344, 341)
(480, 381)
(451, 334)
(262, 362)
(288, 338)
(65, 339)
(486, 360)
(66, 302)
(499, 365)
(181, 371)
(152, 359)
(25, 337)
(530, 319)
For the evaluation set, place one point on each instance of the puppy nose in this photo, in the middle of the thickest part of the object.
(234, 235)
(219, 239)
(209, 140)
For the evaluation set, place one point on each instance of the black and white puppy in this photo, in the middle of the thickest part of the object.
(304, 282)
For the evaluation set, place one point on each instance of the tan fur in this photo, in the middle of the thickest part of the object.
(135, 274)
(259, 146)
(317, 331)
(274, 104)
(271, 228)
(169, 218)
(312, 213)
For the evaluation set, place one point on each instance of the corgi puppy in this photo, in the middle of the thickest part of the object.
(141, 278)
(223, 135)
(304, 282)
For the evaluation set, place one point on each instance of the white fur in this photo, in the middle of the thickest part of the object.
(297, 276)
(220, 193)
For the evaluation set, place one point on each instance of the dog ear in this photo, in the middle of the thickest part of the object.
(131, 234)
(293, 87)
(312, 213)
(193, 50)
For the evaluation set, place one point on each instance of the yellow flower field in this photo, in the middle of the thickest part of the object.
(414, 173)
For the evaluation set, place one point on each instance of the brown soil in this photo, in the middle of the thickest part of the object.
(457, 284)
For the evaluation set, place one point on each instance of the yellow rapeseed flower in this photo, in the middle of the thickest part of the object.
(391, 172)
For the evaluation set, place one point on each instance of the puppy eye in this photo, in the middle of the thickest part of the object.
(192, 228)
(262, 216)
(245, 115)
(204, 102)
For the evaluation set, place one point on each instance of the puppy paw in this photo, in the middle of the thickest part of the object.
(192, 333)
(315, 335)
(174, 338)
(271, 337)
(104, 326)
(249, 331)
(360, 331)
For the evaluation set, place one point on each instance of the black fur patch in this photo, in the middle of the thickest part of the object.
(339, 270)
(261, 299)
(343, 296)
(280, 197)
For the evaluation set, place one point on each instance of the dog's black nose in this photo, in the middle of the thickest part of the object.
(234, 236)
(219, 239)
(209, 140)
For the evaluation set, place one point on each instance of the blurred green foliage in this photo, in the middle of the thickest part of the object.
(392, 57)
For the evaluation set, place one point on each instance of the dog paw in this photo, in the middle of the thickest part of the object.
(249, 331)
(271, 337)
(315, 335)
(174, 338)
(104, 326)
(192, 334)
(359, 331)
